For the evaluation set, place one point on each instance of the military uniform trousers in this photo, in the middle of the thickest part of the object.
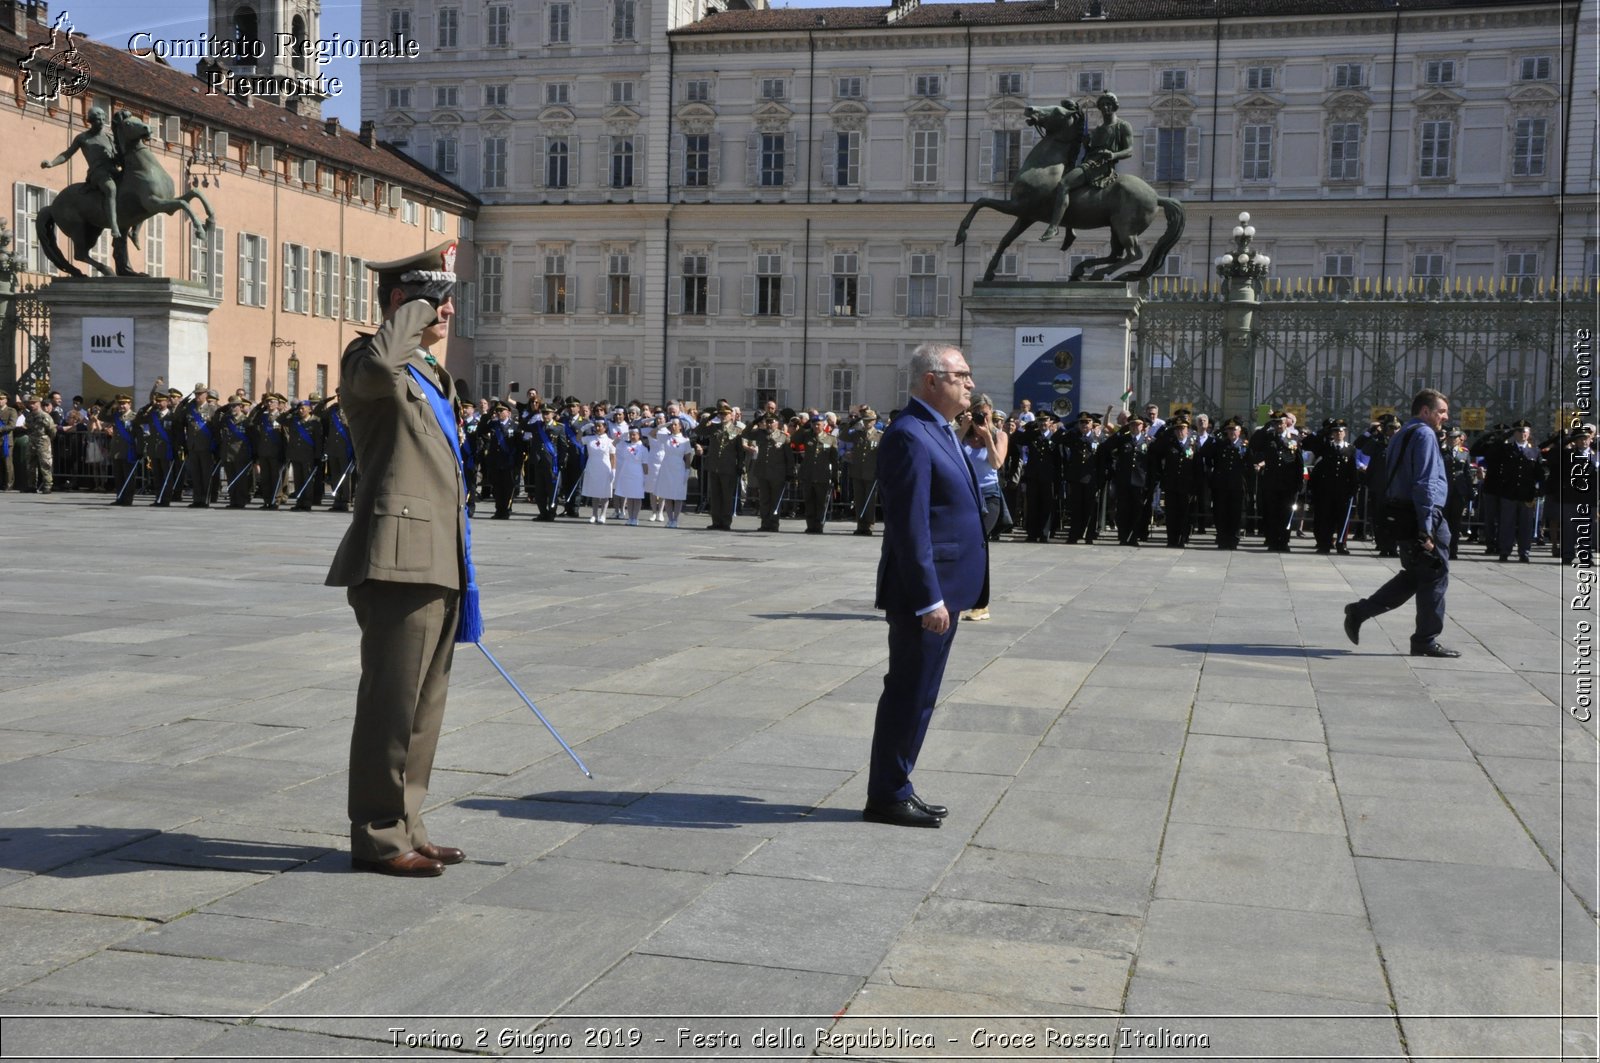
(1133, 523)
(124, 473)
(163, 470)
(1179, 507)
(202, 466)
(768, 490)
(540, 480)
(307, 482)
(819, 496)
(1328, 509)
(271, 481)
(1277, 509)
(41, 464)
(502, 485)
(865, 499)
(1227, 511)
(240, 482)
(407, 645)
(1083, 512)
(720, 488)
(1514, 520)
(1040, 506)
(342, 475)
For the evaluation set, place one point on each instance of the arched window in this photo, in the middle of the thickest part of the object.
(298, 28)
(247, 33)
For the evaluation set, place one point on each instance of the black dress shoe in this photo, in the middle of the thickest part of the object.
(1352, 624)
(932, 810)
(442, 853)
(1433, 649)
(899, 814)
(406, 865)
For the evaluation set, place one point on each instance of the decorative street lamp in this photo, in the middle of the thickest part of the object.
(294, 363)
(1242, 270)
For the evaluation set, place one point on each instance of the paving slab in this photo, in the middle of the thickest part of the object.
(1172, 811)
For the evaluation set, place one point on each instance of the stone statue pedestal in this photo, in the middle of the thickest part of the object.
(1064, 346)
(118, 334)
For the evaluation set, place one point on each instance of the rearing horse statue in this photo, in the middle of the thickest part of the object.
(1126, 203)
(144, 190)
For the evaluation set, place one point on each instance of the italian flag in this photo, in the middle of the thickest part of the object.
(1127, 396)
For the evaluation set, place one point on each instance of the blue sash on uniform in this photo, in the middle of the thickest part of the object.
(470, 629)
(312, 443)
(572, 437)
(545, 441)
(344, 434)
(205, 429)
(161, 430)
(126, 433)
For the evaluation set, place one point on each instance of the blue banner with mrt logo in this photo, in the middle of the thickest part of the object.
(1046, 369)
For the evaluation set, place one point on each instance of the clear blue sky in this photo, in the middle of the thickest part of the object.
(114, 21)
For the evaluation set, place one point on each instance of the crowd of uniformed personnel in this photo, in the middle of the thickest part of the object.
(1096, 478)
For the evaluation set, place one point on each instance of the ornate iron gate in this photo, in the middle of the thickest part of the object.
(28, 330)
(1498, 358)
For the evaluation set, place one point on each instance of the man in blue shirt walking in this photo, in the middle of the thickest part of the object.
(1417, 474)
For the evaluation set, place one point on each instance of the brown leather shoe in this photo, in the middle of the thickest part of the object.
(442, 853)
(406, 865)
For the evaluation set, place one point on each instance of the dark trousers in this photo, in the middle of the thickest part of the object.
(1227, 508)
(1428, 586)
(818, 496)
(163, 477)
(540, 480)
(1277, 508)
(502, 485)
(910, 687)
(271, 481)
(1041, 508)
(124, 472)
(768, 490)
(1133, 520)
(1177, 505)
(865, 499)
(1083, 512)
(1327, 518)
(720, 488)
(202, 466)
(1515, 521)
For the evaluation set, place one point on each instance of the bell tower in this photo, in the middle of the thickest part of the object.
(272, 38)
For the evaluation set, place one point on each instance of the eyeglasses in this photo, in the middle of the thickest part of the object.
(952, 374)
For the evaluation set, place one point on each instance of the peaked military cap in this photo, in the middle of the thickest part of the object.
(1521, 424)
(433, 271)
(174, 393)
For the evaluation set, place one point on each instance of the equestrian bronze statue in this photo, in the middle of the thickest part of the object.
(126, 185)
(1062, 184)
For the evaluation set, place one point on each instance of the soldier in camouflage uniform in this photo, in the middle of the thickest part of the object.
(770, 461)
(720, 453)
(863, 468)
(819, 473)
(237, 449)
(41, 430)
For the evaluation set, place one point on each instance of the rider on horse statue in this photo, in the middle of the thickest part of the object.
(104, 160)
(1109, 144)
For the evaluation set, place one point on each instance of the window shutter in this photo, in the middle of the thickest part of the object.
(1191, 154)
(605, 161)
(635, 290)
(863, 294)
(1152, 141)
(572, 293)
(19, 226)
(637, 178)
(715, 152)
(538, 293)
(986, 161)
(713, 295)
(288, 276)
(747, 295)
(541, 160)
(830, 159)
(675, 296)
(902, 295)
(786, 297)
(574, 175)
(675, 161)
(216, 248)
(602, 297)
(790, 159)
(941, 297)
(825, 295)
(244, 294)
(752, 160)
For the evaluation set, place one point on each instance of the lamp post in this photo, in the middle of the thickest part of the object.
(278, 341)
(1242, 271)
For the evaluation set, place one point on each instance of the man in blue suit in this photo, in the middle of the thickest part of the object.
(935, 563)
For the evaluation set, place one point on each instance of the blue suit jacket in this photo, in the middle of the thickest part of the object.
(933, 542)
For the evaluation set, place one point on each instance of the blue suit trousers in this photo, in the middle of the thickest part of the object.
(911, 686)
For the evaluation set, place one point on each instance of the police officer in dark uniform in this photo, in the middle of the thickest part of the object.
(1125, 463)
(1080, 473)
(499, 450)
(1518, 473)
(1227, 462)
(1374, 443)
(1461, 477)
(1333, 485)
(1178, 470)
(1277, 459)
(1041, 472)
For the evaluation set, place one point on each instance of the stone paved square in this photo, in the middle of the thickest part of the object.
(1179, 798)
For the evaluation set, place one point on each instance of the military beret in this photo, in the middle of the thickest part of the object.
(433, 271)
